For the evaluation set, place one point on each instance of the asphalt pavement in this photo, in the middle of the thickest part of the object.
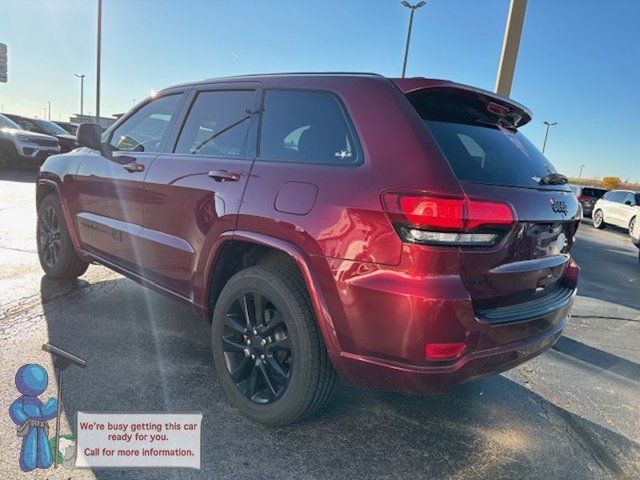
(571, 413)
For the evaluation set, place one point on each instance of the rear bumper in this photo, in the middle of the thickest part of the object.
(376, 373)
(384, 316)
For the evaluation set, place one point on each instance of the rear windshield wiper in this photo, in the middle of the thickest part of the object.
(553, 179)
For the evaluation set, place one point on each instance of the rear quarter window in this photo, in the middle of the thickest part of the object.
(307, 127)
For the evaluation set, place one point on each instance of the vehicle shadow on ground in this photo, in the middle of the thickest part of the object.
(15, 174)
(604, 284)
(598, 358)
(148, 353)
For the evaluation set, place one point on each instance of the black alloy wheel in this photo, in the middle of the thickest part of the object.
(50, 236)
(257, 348)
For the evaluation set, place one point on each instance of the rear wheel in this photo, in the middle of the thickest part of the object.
(57, 256)
(632, 224)
(268, 351)
(598, 219)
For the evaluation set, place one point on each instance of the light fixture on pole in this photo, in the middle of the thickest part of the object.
(546, 133)
(413, 8)
(81, 77)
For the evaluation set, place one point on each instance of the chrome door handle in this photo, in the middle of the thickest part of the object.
(134, 167)
(224, 176)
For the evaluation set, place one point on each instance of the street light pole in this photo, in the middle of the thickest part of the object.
(81, 77)
(98, 52)
(49, 114)
(580, 174)
(510, 46)
(413, 8)
(546, 133)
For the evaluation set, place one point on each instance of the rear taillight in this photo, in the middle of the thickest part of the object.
(583, 199)
(440, 220)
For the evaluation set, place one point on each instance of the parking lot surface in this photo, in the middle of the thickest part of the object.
(573, 412)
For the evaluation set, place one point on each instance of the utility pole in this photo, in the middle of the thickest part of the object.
(413, 8)
(48, 117)
(546, 133)
(81, 77)
(98, 52)
(510, 46)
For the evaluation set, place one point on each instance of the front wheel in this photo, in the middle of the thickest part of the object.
(268, 350)
(598, 219)
(632, 224)
(57, 256)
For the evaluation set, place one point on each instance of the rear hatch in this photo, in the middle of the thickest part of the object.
(477, 133)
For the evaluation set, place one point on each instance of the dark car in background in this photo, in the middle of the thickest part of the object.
(65, 139)
(588, 196)
(400, 232)
(71, 128)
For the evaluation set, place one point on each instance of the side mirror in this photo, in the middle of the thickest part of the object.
(90, 135)
(628, 202)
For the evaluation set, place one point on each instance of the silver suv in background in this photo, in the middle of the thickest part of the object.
(18, 146)
(618, 207)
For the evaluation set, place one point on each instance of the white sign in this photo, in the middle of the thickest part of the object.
(138, 440)
(3, 63)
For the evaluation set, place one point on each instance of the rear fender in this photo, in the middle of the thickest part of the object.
(318, 303)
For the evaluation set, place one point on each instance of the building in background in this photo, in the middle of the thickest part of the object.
(105, 122)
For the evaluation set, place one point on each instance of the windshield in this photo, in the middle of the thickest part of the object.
(7, 123)
(50, 127)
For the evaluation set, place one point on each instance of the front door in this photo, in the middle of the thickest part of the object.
(195, 191)
(109, 213)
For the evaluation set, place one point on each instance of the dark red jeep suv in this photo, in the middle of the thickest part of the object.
(401, 233)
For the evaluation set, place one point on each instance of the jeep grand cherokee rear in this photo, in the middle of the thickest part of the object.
(402, 233)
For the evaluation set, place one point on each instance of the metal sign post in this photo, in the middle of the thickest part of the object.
(3, 63)
(61, 360)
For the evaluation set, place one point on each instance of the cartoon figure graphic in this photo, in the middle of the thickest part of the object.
(32, 416)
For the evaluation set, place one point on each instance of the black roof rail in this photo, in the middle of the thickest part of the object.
(275, 74)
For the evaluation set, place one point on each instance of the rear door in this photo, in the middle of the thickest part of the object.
(196, 188)
(628, 209)
(494, 161)
(111, 193)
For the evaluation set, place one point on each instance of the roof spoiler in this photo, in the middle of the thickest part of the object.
(408, 85)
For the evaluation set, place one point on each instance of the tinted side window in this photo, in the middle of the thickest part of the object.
(608, 196)
(217, 124)
(145, 130)
(306, 127)
(630, 198)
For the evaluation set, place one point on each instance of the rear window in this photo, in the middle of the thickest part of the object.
(593, 192)
(475, 142)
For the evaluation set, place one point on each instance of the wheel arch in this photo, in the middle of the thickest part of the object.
(45, 187)
(237, 250)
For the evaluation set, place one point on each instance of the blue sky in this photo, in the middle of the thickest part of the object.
(579, 61)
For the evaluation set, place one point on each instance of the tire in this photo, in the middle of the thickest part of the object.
(57, 256)
(632, 223)
(598, 220)
(309, 375)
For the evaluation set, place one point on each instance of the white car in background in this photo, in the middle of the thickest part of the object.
(635, 236)
(618, 207)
